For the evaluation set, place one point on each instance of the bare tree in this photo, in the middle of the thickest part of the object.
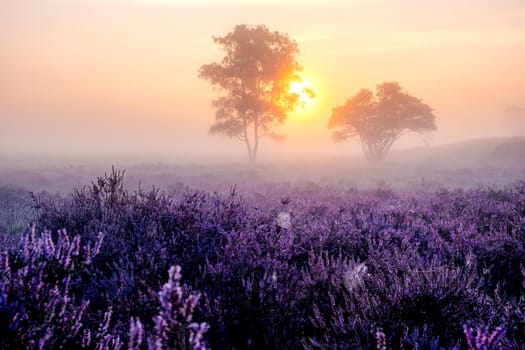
(255, 76)
(378, 121)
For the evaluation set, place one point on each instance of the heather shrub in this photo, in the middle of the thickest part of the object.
(256, 298)
(501, 257)
(15, 214)
(310, 267)
(147, 233)
(173, 326)
(37, 307)
(40, 308)
(433, 299)
(126, 272)
(352, 299)
(481, 338)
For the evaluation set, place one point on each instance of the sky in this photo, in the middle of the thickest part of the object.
(110, 77)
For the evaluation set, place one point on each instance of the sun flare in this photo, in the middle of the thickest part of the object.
(305, 92)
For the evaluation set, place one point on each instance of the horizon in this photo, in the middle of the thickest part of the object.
(121, 77)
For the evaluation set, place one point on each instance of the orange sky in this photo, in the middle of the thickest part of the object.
(120, 76)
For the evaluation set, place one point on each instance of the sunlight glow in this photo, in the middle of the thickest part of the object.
(306, 93)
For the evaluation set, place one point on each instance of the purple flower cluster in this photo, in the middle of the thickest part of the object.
(39, 308)
(287, 267)
(482, 339)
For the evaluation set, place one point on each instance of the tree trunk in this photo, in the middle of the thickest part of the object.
(250, 150)
(255, 140)
(247, 141)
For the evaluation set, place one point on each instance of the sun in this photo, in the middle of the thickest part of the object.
(305, 92)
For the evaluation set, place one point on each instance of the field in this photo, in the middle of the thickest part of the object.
(423, 251)
(262, 175)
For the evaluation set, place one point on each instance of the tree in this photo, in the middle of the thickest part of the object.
(380, 120)
(255, 75)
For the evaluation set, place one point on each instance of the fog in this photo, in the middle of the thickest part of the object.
(124, 202)
(118, 81)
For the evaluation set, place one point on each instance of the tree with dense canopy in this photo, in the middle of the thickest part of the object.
(380, 120)
(255, 75)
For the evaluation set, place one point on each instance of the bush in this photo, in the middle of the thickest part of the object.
(39, 308)
(292, 268)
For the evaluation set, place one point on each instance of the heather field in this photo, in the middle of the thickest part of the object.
(262, 175)
(207, 262)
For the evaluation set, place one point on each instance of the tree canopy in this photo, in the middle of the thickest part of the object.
(379, 120)
(255, 76)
